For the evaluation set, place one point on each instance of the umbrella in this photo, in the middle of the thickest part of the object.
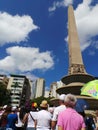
(81, 105)
(90, 89)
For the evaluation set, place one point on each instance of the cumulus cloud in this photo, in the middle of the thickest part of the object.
(57, 4)
(15, 28)
(25, 59)
(87, 23)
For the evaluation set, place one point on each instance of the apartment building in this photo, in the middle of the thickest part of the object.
(40, 87)
(20, 89)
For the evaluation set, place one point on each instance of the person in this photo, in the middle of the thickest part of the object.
(90, 124)
(81, 106)
(70, 119)
(57, 110)
(51, 110)
(96, 119)
(30, 117)
(2, 110)
(43, 120)
(4, 118)
(20, 114)
(12, 119)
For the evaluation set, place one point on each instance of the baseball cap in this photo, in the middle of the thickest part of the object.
(62, 97)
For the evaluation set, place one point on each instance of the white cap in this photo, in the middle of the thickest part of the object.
(14, 108)
(62, 97)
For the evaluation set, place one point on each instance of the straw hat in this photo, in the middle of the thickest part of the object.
(44, 104)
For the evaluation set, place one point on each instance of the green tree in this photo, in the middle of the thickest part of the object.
(4, 95)
(38, 100)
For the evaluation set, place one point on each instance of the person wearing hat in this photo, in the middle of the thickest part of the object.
(43, 120)
(57, 110)
(70, 119)
(12, 118)
(30, 117)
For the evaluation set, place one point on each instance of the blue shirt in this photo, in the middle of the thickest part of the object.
(11, 120)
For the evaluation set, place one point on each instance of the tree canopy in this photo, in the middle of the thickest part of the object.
(4, 95)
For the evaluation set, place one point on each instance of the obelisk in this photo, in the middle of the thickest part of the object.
(77, 75)
(76, 70)
(75, 58)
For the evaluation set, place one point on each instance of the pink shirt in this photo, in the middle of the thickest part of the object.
(69, 119)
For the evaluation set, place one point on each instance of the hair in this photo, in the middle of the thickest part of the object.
(33, 108)
(43, 108)
(70, 100)
(61, 101)
(3, 118)
(22, 112)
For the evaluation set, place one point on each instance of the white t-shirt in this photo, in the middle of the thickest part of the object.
(57, 110)
(19, 123)
(30, 120)
(43, 120)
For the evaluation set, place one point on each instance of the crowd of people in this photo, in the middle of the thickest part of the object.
(62, 117)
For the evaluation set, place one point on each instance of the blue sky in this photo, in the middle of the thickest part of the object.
(33, 37)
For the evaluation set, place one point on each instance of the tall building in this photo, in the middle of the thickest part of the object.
(20, 89)
(53, 89)
(33, 89)
(77, 75)
(40, 87)
(46, 94)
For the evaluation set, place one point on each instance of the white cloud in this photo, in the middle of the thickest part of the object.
(87, 23)
(30, 76)
(15, 28)
(25, 59)
(57, 4)
(67, 2)
(86, 18)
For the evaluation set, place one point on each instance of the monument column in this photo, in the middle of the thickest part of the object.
(75, 57)
(77, 75)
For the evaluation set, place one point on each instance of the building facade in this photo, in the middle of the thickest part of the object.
(40, 87)
(53, 89)
(20, 89)
(47, 94)
(33, 89)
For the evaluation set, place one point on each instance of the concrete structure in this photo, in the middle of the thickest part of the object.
(20, 89)
(77, 75)
(40, 87)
